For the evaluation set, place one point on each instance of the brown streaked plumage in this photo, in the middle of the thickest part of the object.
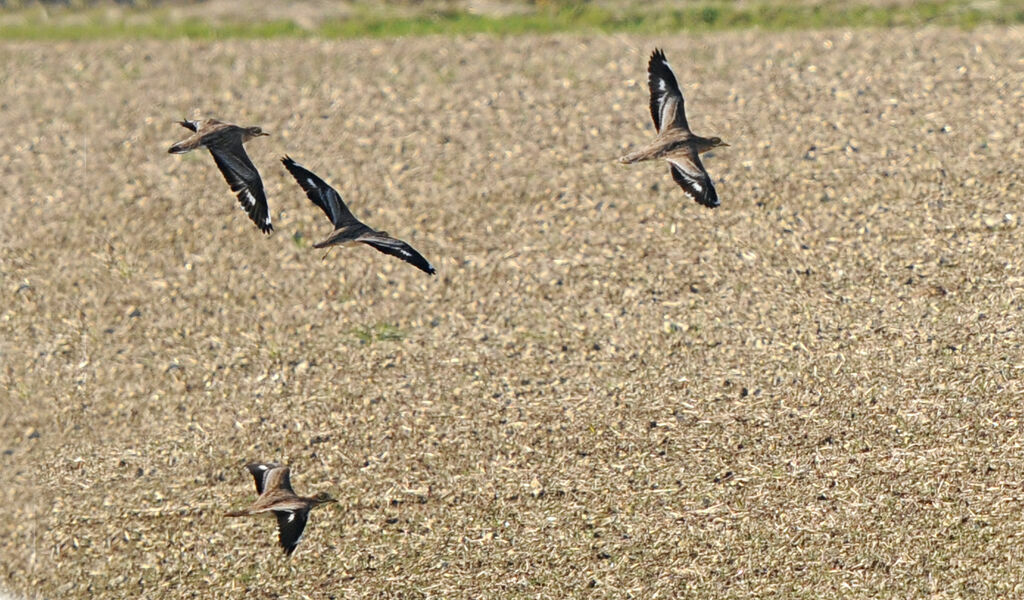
(347, 228)
(274, 487)
(225, 142)
(675, 142)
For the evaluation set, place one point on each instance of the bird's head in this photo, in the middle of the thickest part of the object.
(322, 498)
(252, 132)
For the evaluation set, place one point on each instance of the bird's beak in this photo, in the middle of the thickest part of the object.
(264, 133)
(724, 144)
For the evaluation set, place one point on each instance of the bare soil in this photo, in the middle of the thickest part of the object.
(607, 391)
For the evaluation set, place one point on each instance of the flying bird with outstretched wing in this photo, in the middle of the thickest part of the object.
(225, 142)
(347, 228)
(675, 142)
(274, 487)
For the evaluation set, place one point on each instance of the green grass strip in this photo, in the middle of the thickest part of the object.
(92, 24)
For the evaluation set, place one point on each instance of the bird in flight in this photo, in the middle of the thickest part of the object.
(675, 142)
(225, 142)
(347, 228)
(275, 495)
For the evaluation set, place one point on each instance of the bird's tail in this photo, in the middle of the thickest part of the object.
(179, 148)
(337, 237)
(635, 157)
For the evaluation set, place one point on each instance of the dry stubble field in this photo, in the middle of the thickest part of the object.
(607, 391)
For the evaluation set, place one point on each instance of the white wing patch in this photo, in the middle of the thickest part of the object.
(695, 183)
(663, 111)
(311, 183)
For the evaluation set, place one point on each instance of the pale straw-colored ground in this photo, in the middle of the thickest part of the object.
(607, 391)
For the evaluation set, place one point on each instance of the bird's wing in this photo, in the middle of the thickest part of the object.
(244, 180)
(290, 525)
(689, 173)
(667, 106)
(389, 245)
(278, 478)
(321, 194)
(259, 473)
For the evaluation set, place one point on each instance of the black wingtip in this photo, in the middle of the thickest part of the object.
(423, 265)
(710, 200)
(658, 60)
(290, 164)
